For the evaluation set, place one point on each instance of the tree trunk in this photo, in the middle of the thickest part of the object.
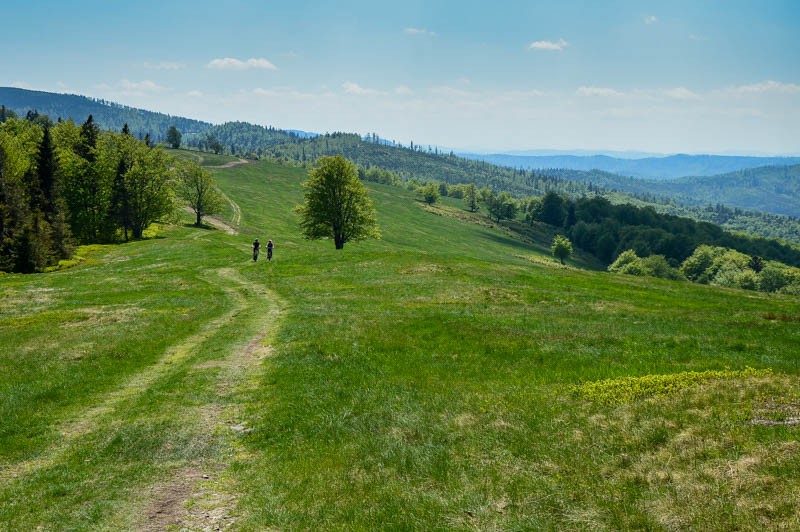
(339, 240)
(198, 223)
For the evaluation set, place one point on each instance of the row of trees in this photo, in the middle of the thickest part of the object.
(605, 230)
(65, 184)
(717, 266)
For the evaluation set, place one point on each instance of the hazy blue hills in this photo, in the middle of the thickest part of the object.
(771, 189)
(668, 167)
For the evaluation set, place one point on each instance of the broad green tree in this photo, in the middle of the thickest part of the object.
(552, 210)
(430, 193)
(149, 186)
(197, 188)
(174, 137)
(336, 204)
(561, 248)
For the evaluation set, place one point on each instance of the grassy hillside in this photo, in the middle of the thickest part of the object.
(421, 381)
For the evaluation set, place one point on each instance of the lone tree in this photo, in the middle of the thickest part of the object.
(430, 193)
(173, 137)
(561, 248)
(197, 188)
(336, 204)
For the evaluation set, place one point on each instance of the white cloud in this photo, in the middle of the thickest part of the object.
(357, 90)
(548, 45)
(419, 31)
(287, 93)
(768, 86)
(20, 85)
(695, 37)
(164, 65)
(680, 93)
(402, 90)
(650, 19)
(141, 86)
(452, 92)
(229, 63)
(194, 94)
(524, 94)
(597, 91)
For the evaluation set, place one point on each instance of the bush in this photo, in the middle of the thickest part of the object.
(629, 263)
(772, 278)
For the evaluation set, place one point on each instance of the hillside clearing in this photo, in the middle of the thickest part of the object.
(420, 381)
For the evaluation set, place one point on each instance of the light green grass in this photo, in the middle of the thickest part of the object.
(422, 381)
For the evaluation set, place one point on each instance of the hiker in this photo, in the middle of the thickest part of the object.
(270, 245)
(256, 247)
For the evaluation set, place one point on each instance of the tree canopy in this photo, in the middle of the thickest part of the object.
(197, 188)
(336, 204)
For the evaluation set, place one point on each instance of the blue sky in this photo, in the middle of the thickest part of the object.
(664, 77)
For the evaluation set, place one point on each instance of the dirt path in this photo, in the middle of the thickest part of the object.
(202, 496)
(216, 222)
(230, 164)
(199, 495)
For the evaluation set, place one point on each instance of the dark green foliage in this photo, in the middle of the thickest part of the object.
(88, 142)
(120, 209)
(173, 137)
(756, 263)
(33, 230)
(46, 172)
(601, 226)
(552, 210)
(60, 181)
(6, 113)
(247, 140)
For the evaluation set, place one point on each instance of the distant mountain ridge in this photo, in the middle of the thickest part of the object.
(770, 189)
(669, 167)
(107, 115)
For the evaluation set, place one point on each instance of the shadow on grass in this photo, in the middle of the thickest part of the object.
(206, 227)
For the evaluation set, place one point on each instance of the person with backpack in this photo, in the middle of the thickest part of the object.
(256, 248)
(270, 246)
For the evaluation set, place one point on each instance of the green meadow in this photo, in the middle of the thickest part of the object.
(451, 375)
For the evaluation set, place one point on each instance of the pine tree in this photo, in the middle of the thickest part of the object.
(88, 139)
(46, 172)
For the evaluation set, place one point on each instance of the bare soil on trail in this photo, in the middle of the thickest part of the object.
(201, 496)
(230, 164)
(216, 222)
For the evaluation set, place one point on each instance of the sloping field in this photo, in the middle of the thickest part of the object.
(428, 380)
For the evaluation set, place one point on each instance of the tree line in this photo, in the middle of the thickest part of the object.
(606, 230)
(63, 184)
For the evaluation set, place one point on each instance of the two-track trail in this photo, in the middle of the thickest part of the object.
(186, 484)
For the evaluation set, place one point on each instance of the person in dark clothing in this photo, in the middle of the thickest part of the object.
(256, 248)
(270, 245)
